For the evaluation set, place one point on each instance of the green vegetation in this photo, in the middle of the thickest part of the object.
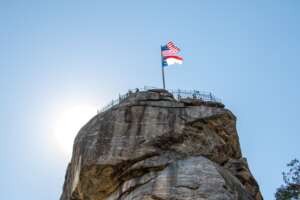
(291, 188)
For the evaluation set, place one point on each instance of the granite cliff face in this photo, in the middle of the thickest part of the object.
(153, 147)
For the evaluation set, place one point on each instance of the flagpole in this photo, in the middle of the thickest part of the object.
(163, 76)
(162, 68)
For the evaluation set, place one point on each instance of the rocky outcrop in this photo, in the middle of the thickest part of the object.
(154, 147)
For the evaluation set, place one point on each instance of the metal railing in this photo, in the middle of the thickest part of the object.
(194, 94)
(178, 94)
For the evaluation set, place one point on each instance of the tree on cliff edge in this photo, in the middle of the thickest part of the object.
(291, 188)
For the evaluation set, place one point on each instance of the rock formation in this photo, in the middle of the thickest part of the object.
(153, 147)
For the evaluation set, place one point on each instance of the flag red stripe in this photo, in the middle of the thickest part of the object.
(176, 57)
(172, 46)
(168, 53)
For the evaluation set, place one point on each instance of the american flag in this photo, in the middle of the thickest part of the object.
(169, 54)
(169, 49)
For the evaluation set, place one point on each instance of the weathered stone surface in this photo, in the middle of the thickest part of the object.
(153, 147)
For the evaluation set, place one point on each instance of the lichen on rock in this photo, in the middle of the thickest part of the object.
(154, 147)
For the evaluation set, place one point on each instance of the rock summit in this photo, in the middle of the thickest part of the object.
(152, 146)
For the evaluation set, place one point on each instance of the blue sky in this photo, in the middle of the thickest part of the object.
(56, 54)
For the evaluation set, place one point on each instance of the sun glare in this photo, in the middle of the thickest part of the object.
(69, 123)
